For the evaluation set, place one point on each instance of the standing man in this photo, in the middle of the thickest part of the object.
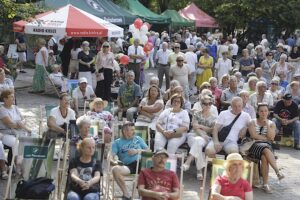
(136, 54)
(173, 56)
(21, 50)
(192, 61)
(163, 66)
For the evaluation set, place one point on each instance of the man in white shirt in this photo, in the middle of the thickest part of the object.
(136, 55)
(239, 128)
(191, 60)
(82, 93)
(223, 65)
(181, 73)
(163, 66)
(235, 48)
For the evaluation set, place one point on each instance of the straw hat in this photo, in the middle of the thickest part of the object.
(98, 100)
(233, 157)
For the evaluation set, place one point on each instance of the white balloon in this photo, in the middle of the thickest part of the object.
(131, 28)
(144, 28)
(136, 35)
(144, 39)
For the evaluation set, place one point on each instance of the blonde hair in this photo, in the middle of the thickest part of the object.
(40, 42)
(84, 142)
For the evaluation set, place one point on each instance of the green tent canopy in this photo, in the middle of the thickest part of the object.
(138, 9)
(104, 9)
(176, 19)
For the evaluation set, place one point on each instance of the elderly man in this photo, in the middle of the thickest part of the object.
(244, 94)
(125, 153)
(286, 114)
(238, 120)
(136, 55)
(181, 72)
(158, 182)
(261, 96)
(82, 93)
(192, 61)
(229, 93)
(173, 56)
(128, 97)
(161, 58)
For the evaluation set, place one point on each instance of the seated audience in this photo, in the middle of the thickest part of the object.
(5, 83)
(84, 123)
(216, 92)
(128, 97)
(261, 96)
(172, 126)
(127, 149)
(150, 107)
(85, 173)
(229, 93)
(294, 91)
(229, 145)
(186, 103)
(262, 130)
(58, 78)
(198, 106)
(224, 82)
(246, 104)
(158, 182)
(275, 90)
(231, 185)
(3, 169)
(250, 86)
(60, 116)
(82, 93)
(240, 80)
(286, 114)
(169, 92)
(203, 121)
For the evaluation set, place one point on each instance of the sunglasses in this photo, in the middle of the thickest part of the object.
(207, 104)
(274, 83)
(179, 60)
(105, 46)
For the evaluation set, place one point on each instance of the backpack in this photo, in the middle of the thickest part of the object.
(38, 188)
(54, 47)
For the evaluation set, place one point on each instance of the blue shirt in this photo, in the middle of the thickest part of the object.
(212, 50)
(121, 146)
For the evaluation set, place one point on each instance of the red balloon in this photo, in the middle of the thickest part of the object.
(148, 25)
(148, 46)
(138, 23)
(124, 60)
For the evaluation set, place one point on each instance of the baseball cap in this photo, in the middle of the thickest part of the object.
(161, 151)
(83, 80)
(287, 97)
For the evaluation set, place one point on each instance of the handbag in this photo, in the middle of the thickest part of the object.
(38, 188)
(224, 132)
(199, 71)
(21, 47)
(245, 145)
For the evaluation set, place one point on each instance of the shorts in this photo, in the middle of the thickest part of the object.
(22, 56)
(132, 167)
(73, 66)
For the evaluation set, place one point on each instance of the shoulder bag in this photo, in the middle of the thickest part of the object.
(224, 132)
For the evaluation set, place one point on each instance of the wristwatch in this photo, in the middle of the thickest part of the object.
(174, 130)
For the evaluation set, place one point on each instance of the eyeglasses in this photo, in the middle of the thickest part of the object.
(179, 60)
(274, 83)
(105, 46)
(207, 104)
(176, 47)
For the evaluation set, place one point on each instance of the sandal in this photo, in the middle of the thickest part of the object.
(267, 189)
(280, 176)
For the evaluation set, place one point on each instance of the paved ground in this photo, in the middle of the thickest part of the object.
(288, 159)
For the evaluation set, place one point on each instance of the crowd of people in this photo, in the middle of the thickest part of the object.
(255, 96)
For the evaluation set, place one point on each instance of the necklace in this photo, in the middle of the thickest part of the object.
(64, 114)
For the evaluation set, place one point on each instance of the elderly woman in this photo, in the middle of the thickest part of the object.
(262, 130)
(83, 123)
(41, 61)
(224, 82)
(186, 104)
(12, 122)
(216, 92)
(85, 173)
(60, 116)
(172, 126)
(261, 95)
(206, 62)
(150, 107)
(231, 185)
(170, 91)
(5, 83)
(86, 62)
(125, 153)
(246, 63)
(97, 113)
(104, 69)
(203, 121)
(266, 65)
(282, 67)
(198, 106)
(275, 90)
(295, 91)
(250, 86)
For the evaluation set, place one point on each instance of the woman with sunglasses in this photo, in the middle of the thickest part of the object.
(275, 90)
(206, 62)
(203, 121)
(104, 72)
(262, 130)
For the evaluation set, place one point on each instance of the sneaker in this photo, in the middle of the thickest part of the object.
(280, 176)
(4, 175)
(267, 189)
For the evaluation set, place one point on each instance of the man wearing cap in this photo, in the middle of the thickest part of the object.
(157, 182)
(82, 93)
(286, 114)
(136, 55)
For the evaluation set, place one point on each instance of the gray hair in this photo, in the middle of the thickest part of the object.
(85, 43)
(260, 83)
(130, 72)
(154, 78)
(212, 79)
(244, 92)
(83, 120)
(236, 100)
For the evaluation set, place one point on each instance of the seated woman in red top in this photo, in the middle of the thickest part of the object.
(158, 182)
(231, 185)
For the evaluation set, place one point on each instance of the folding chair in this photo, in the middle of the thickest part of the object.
(37, 162)
(218, 170)
(171, 164)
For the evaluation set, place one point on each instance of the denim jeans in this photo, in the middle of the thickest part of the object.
(90, 196)
(296, 129)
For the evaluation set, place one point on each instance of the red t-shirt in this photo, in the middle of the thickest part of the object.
(163, 181)
(238, 189)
